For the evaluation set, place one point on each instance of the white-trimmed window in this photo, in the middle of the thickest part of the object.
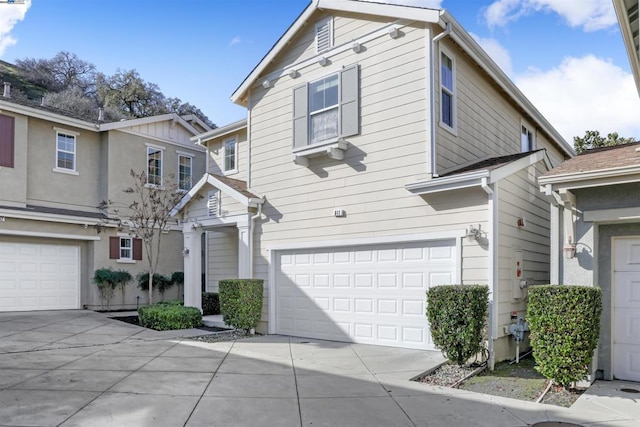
(126, 248)
(527, 139)
(230, 153)
(154, 165)
(447, 91)
(65, 151)
(185, 172)
(327, 109)
(324, 35)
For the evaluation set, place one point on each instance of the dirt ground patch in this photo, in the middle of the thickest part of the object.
(518, 381)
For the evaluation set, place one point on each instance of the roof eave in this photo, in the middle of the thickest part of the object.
(46, 115)
(575, 180)
(219, 132)
(627, 36)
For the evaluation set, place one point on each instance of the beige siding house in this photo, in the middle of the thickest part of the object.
(54, 172)
(383, 153)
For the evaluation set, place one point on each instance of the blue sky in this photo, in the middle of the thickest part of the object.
(567, 56)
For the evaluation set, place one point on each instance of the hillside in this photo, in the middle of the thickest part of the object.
(10, 73)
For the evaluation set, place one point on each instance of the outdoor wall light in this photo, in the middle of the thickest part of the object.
(293, 73)
(473, 233)
(569, 249)
(356, 47)
(323, 61)
(394, 33)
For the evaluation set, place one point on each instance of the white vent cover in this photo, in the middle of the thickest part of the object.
(213, 203)
(324, 35)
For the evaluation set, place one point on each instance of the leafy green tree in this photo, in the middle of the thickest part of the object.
(128, 92)
(593, 139)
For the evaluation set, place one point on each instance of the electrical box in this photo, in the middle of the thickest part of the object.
(516, 291)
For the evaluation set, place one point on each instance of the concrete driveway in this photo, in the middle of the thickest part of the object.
(80, 368)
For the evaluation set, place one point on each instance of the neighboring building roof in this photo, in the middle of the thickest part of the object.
(236, 184)
(480, 174)
(600, 166)
(54, 211)
(627, 12)
(219, 132)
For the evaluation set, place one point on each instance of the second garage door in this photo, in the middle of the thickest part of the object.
(367, 294)
(39, 277)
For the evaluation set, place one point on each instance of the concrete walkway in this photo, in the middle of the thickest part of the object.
(80, 368)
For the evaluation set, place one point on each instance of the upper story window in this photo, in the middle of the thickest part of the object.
(326, 109)
(447, 91)
(527, 141)
(230, 149)
(7, 131)
(65, 151)
(185, 172)
(154, 165)
(324, 35)
(323, 109)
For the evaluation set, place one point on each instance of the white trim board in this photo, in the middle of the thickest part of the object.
(48, 235)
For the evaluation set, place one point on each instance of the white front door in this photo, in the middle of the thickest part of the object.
(39, 277)
(626, 309)
(373, 294)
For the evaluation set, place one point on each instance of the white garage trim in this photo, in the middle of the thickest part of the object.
(48, 235)
(275, 250)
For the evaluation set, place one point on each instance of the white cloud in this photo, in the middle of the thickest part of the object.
(581, 94)
(590, 15)
(10, 15)
(497, 52)
(234, 41)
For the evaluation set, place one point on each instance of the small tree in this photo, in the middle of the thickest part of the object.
(593, 139)
(147, 215)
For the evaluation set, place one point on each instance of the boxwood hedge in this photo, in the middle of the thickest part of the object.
(210, 303)
(565, 325)
(457, 316)
(168, 316)
(241, 302)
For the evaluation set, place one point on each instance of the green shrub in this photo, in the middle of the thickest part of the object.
(160, 282)
(457, 316)
(163, 317)
(241, 302)
(565, 325)
(177, 278)
(210, 303)
(106, 280)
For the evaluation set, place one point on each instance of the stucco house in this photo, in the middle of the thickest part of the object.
(595, 230)
(55, 169)
(383, 152)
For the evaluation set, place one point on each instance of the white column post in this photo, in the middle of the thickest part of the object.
(193, 269)
(244, 246)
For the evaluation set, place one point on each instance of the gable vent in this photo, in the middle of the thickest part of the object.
(213, 203)
(324, 36)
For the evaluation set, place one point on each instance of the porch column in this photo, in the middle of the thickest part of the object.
(192, 269)
(244, 246)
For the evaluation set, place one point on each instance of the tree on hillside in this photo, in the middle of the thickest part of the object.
(72, 100)
(127, 91)
(593, 139)
(62, 72)
(145, 211)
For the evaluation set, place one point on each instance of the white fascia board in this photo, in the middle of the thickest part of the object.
(46, 115)
(190, 194)
(471, 47)
(382, 9)
(455, 182)
(238, 96)
(517, 165)
(147, 120)
(192, 117)
(163, 140)
(621, 175)
(235, 194)
(219, 132)
(48, 235)
(627, 36)
(49, 217)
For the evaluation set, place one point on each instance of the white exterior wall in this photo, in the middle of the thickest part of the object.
(215, 152)
(222, 256)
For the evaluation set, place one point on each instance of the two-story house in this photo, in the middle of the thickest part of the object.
(383, 153)
(55, 170)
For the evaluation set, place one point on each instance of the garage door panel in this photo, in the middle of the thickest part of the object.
(626, 309)
(39, 276)
(372, 294)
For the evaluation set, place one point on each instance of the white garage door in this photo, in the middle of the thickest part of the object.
(626, 309)
(367, 294)
(39, 277)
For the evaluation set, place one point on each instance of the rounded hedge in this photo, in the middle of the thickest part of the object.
(168, 316)
(457, 316)
(241, 302)
(565, 325)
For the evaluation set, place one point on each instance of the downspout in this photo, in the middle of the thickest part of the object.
(432, 95)
(492, 232)
(251, 243)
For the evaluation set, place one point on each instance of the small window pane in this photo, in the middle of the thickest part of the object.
(230, 155)
(447, 72)
(125, 248)
(324, 125)
(184, 172)
(323, 93)
(65, 151)
(154, 161)
(447, 111)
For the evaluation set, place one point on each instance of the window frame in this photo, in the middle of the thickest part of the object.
(311, 114)
(67, 134)
(129, 248)
(451, 92)
(159, 149)
(531, 140)
(233, 141)
(180, 157)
